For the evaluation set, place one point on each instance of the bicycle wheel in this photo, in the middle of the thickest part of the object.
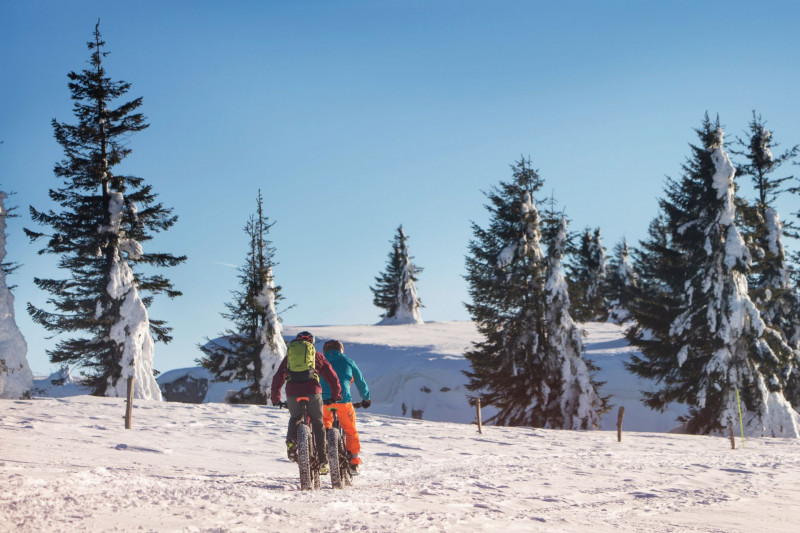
(333, 459)
(344, 461)
(315, 461)
(316, 484)
(304, 456)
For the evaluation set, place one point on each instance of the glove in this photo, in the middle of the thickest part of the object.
(365, 403)
(329, 401)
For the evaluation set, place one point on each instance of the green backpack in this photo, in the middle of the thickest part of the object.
(301, 361)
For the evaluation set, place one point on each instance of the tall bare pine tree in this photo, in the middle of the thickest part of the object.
(105, 218)
(253, 349)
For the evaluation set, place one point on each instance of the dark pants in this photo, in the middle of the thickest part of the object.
(315, 412)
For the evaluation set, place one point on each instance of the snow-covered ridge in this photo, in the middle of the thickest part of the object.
(417, 370)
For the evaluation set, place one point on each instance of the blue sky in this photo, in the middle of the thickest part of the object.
(353, 117)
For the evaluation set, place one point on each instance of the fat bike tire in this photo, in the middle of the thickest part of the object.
(333, 459)
(315, 461)
(315, 481)
(304, 457)
(344, 462)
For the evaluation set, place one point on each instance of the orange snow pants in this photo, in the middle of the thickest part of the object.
(346, 415)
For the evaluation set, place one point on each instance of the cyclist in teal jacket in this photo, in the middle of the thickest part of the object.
(348, 372)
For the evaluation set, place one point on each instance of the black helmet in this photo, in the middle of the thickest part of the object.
(305, 336)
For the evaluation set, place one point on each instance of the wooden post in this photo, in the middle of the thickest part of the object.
(733, 439)
(129, 407)
(620, 416)
(478, 407)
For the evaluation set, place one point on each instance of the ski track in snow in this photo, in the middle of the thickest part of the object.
(68, 464)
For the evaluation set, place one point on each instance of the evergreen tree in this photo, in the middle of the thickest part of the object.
(5, 213)
(573, 403)
(655, 303)
(395, 290)
(587, 278)
(717, 347)
(254, 348)
(519, 366)
(7, 267)
(619, 284)
(771, 286)
(777, 297)
(98, 234)
(16, 378)
(760, 164)
(551, 217)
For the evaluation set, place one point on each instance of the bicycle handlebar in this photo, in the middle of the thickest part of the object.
(355, 404)
(285, 405)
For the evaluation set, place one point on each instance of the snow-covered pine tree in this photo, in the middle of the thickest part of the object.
(771, 286)
(777, 297)
(130, 325)
(16, 378)
(8, 267)
(720, 347)
(760, 163)
(587, 275)
(620, 281)
(551, 216)
(506, 272)
(253, 349)
(395, 290)
(516, 367)
(568, 388)
(98, 234)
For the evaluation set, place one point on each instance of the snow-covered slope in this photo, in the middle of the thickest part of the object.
(68, 465)
(417, 370)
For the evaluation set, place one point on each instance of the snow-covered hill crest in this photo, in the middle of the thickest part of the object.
(416, 370)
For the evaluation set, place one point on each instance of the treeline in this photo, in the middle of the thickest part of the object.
(709, 298)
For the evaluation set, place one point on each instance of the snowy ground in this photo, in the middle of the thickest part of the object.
(68, 464)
